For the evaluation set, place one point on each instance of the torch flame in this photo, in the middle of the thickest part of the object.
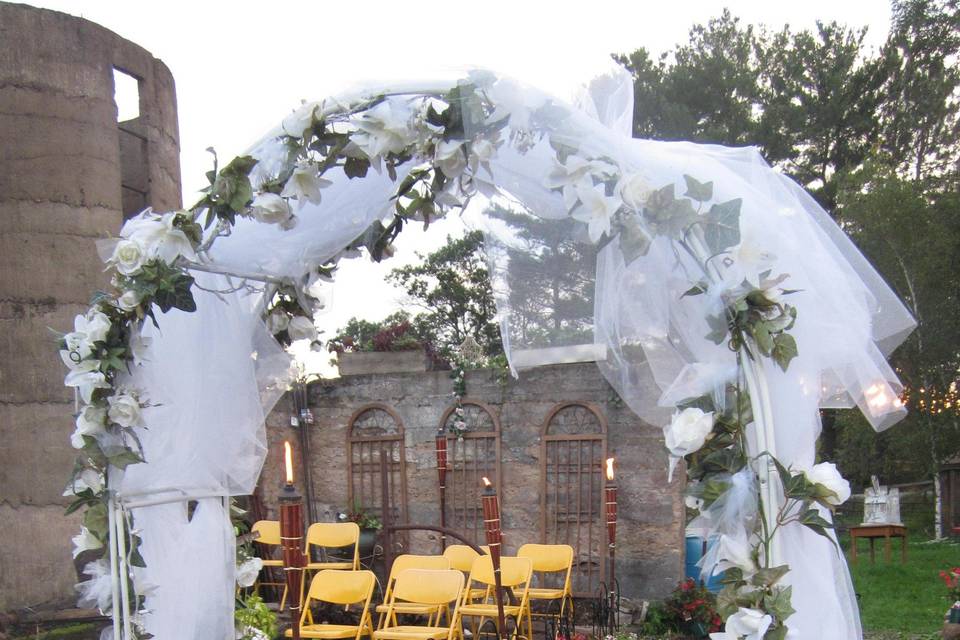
(288, 460)
(610, 469)
(486, 482)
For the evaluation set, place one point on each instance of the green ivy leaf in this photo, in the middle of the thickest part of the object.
(695, 290)
(696, 190)
(722, 228)
(356, 167)
(634, 241)
(718, 329)
(784, 350)
(95, 520)
(727, 603)
(776, 633)
(124, 459)
(779, 604)
(769, 576)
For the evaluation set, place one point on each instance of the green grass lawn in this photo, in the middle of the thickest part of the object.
(906, 598)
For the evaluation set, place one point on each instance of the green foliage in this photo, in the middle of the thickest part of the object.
(252, 611)
(452, 285)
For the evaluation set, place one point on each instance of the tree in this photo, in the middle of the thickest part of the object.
(452, 286)
(548, 283)
(921, 126)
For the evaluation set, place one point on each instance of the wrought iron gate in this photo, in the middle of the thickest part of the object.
(470, 459)
(573, 449)
(376, 474)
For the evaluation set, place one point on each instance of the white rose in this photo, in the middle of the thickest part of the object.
(248, 571)
(129, 301)
(271, 208)
(277, 321)
(449, 157)
(634, 190)
(685, 434)
(85, 541)
(90, 422)
(687, 431)
(750, 624)
(125, 410)
(826, 475)
(302, 328)
(128, 256)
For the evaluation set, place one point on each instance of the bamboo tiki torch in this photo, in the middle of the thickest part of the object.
(442, 476)
(611, 509)
(491, 520)
(291, 538)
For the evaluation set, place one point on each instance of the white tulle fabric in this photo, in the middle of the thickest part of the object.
(214, 374)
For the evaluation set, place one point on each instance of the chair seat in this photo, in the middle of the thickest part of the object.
(411, 633)
(409, 607)
(325, 631)
(316, 566)
(546, 594)
(273, 563)
(488, 610)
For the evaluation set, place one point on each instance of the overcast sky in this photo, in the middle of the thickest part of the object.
(241, 66)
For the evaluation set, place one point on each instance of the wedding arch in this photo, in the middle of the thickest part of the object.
(727, 307)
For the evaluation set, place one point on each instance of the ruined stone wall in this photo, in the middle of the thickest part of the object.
(650, 534)
(62, 186)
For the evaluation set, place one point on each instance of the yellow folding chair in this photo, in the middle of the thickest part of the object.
(549, 559)
(341, 588)
(461, 558)
(402, 563)
(269, 531)
(424, 587)
(515, 574)
(331, 535)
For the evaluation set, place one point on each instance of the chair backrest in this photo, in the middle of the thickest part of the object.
(514, 571)
(269, 531)
(342, 587)
(548, 558)
(428, 586)
(411, 561)
(332, 534)
(461, 557)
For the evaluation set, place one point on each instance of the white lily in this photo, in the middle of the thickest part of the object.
(297, 123)
(383, 129)
(568, 176)
(595, 209)
(85, 541)
(91, 421)
(450, 158)
(86, 377)
(159, 236)
(139, 345)
(749, 624)
(302, 328)
(86, 479)
(305, 184)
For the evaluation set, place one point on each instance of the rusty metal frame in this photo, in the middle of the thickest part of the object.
(463, 481)
(373, 470)
(551, 470)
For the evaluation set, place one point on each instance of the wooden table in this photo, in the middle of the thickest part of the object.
(874, 531)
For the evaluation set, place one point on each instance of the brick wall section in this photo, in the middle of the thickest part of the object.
(60, 190)
(650, 534)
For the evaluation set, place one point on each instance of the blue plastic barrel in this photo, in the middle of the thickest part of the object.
(694, 551)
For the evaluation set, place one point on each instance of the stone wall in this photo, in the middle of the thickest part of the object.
(61, 188)
(650, 533)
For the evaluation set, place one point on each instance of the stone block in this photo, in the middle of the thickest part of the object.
(362, 363)
(36, 458)
(37, 565)
(33, 372)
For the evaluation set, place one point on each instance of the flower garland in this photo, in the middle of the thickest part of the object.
(443, 145)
